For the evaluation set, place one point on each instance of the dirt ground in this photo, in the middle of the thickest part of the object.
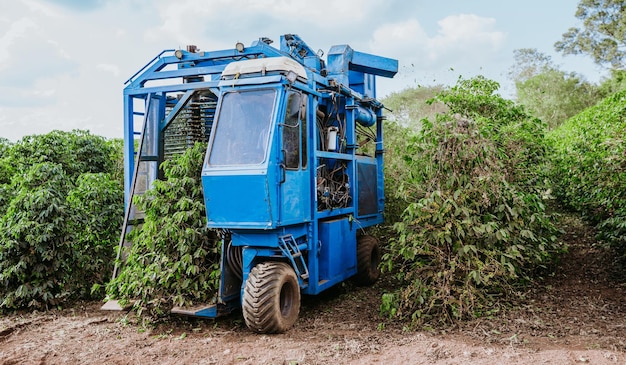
(577, 316)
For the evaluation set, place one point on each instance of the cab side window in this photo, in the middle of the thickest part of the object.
(294, 131)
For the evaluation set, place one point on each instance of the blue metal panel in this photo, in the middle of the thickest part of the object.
(342, 59)
(338, 63)
(374, 65)
(295, 201)
(362, 83)
(169, 88)
(337, 257)
(257, 238)
(129, 147)
(240, 201)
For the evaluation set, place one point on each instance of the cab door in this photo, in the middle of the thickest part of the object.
(295, 185)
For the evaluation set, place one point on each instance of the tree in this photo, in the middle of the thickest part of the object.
(529, 62)
(551, 94)
(603, 35)
(554, 95)
(613, 84)
(409, 106)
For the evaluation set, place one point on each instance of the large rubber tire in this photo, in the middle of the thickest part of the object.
(368, 260)
(271, 298)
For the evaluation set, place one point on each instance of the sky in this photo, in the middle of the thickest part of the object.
(63, 63)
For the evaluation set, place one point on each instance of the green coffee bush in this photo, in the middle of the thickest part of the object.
(588, 166)
(474, 228)
(57, 229)
(174, 259)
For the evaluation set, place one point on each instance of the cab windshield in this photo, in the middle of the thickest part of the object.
(242, 128)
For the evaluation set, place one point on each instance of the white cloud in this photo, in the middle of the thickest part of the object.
(32, 58)
(107, 67)
(461, 45)
(14, 97)
(399, 39)
(30, 45)
(181, 21)
(302, 11)
(16, 30)
(225, 22)
(44, 93)
(459, 36)
(468, 31)
(41, 7)
(60, 51)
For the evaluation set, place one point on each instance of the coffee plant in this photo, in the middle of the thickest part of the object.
(588, 166)
(474, 228)
(77, 151)
(174, 258)
(6, 170)
(59, 218)
(96, 205)
(36, 256)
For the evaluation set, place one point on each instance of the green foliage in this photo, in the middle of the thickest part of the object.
(36, 255)
(396, 171)
(5, 144)
(518, 136)
(54, 236)
(603, 33)
(77, 151)
(116, 148)
(474, 227)
(6, 169)
(554, 96)
(409, 106)
(588, 166)
(5, 197)
(529, 62)
(174, 259)
(97, 207)
(615, 83)
(550, 94)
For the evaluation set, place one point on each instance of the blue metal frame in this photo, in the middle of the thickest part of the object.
(344, 88)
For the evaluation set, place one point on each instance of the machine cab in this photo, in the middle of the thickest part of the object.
(255, 173)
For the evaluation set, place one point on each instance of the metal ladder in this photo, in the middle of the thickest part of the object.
(291, 250)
